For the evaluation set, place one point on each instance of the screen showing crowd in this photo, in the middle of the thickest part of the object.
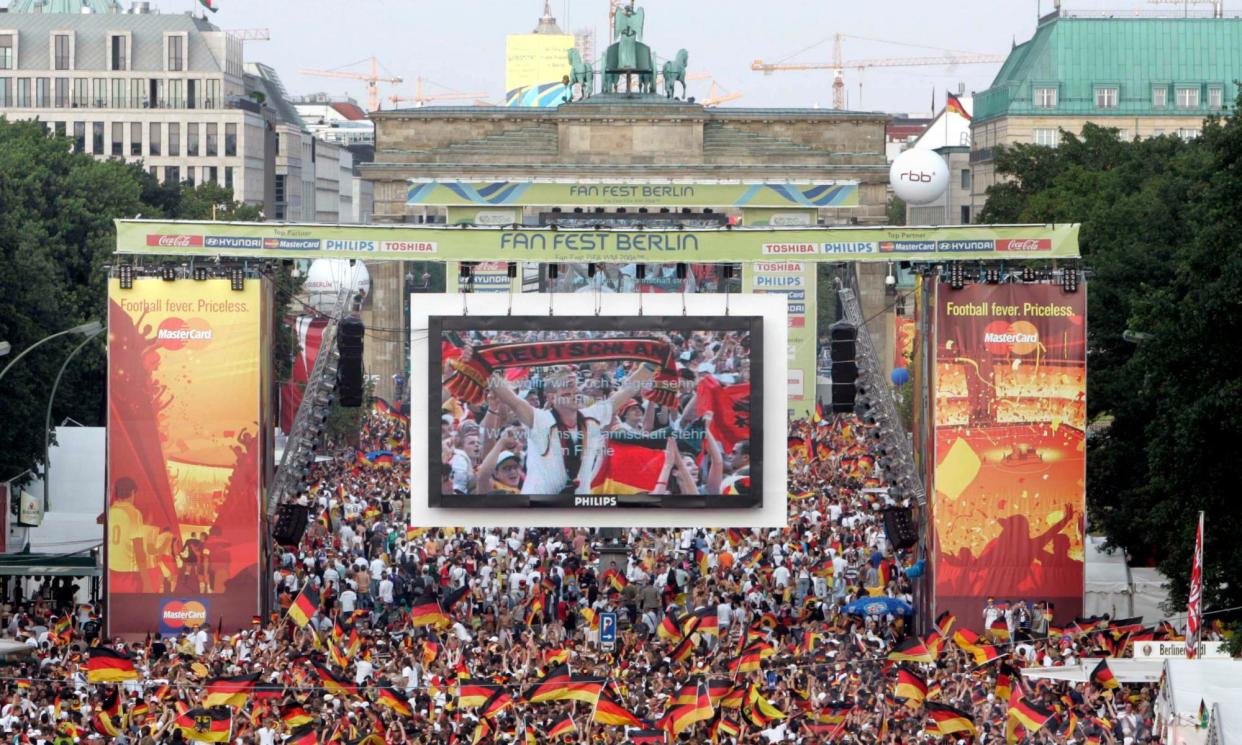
(592, 412)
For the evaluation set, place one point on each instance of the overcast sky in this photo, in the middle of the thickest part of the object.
(460, 44)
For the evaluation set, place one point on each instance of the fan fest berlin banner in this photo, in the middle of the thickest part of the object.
(185, 455)
(1010, 411)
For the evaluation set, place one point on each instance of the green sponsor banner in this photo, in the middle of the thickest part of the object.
(703, 245)
(486, 276)
(635, 193)
(796, 280)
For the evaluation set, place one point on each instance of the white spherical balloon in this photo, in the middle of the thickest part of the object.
(919, 176)
(325, 278)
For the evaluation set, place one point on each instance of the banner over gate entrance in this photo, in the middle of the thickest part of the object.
(426, 243)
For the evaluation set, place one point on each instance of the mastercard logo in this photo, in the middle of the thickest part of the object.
(180, 333)
(177, 614)
(1019, 337)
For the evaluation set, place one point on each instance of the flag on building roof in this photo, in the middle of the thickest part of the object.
(212, 5)
(953, 105)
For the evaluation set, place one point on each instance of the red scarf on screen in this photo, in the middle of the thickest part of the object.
(468, 381)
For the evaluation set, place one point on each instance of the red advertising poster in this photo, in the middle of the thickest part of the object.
(308, 330)
(184, 464)
(1010, 415)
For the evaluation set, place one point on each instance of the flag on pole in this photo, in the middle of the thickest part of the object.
(953, 104)
(212, 5)
(1194, 605)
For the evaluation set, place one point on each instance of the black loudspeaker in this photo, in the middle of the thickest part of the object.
(900, 528)
(290, 524)
(349, 371)
(842, 348)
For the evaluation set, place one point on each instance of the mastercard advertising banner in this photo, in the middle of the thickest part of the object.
(1009, 475)
(184, 455)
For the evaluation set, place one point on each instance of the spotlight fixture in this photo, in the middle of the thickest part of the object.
(1028, 274)
(1069, 279)
(168, 272)
(992, 275)
(957, 276)
(200, 274)
(237, 279)
(126, 275)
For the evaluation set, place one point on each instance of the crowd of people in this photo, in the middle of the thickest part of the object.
(384, 633)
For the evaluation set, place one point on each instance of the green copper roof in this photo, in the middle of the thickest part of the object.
(64, 6)
(1078, 55)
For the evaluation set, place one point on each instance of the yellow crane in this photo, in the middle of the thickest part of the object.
(716, 97)
(839, 65)
(422, 98)
(372, 80)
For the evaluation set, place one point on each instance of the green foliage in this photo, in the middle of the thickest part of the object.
(56, 237)
(1233, 645)
(1160, 221)
(344, 423)
(896, 210)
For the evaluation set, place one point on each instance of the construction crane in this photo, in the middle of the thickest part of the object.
(421, 98)
(373, 80)
(839, 65)
(714, 97)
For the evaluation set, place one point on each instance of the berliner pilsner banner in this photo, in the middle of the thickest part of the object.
(1010, 415)
(596, 412)
(184, 477)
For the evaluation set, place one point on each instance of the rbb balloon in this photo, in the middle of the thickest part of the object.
(326, 277)
(900, 376)
(919, 176)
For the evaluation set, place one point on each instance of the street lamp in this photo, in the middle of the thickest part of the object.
(89, 329)
(47, 422)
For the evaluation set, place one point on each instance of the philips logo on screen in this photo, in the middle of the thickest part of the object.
(179, 615)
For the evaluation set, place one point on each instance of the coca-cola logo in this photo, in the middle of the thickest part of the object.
(1024, 244)
(174, 241)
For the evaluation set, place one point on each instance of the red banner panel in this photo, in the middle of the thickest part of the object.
(1010, 417)
(184, 455)
(309, 332)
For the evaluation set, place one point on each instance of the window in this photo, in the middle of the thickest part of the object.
(1123, 135)
(230, 139)
(965, 214)
(211, 174)
(174, 139)
(79, 137)
(6, 92)
(99, 93)
(228, 177)
(138, 94)
(23, 92)
(965, 178)
(60, 44)
(153, 141)
(213, 141)
(189, 175)
(117, 58)
(1045, 98)
(59, 128)
(191, 140)
(43, 92)
(175, 93)
(1159, 97)
(1187, 97)
(213, 95)
(176, 53)
(1187, 133)
(118, 138)
(191, 94)
(81, 92)
(1047, 137)
(280, 197)
(1216, 96)
(61, 92)
(7, 42)
(155, 93)
(172, 175)
(1106, 97)
(135, 139)
(118, 94)
(97, 138)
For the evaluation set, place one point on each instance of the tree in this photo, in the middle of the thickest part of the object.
(1160, 219)
(896, 210)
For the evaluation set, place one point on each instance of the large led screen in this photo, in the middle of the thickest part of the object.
(593, 412)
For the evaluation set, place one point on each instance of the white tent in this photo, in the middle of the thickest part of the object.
(1124, 669)
(1214, 684)
(1117, 589)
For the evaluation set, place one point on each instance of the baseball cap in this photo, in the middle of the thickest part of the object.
(506, 455)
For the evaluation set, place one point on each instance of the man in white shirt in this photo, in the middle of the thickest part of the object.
(385, 590)
(348, 599)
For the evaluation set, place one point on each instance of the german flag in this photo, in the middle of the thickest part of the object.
(427, 612)
(953, 105)
(648, 737)
(615, 579)
(106, 665)
(999, 630)
(474, 692)
(912, 650)
(611, 711)
(670, 628)
(944, 623)
(718, 688)
(681, 718)
(724, 726)
(965, 639)
(1030, 715)
(945, 720)
(454, 597)
(534, 610)
(563, 728)
(758, 708)
(496, 703)
(205, 725)
(482, 731)
(333, 684)
(683, 650)
(583, 688)
(303, 735)
(708, 621)
(934, 642)
(1126, 626)
(294, 716)
(393, 700)
(985, 654)
(1103, 677)
(551, 687)
(305, 606)
(1004, 681)
(735, 537)
(230, 691)
(556, 656)
(833, 712)
(104, 725)
(139, 711)
(911, 686)
(630, 467)
(747, 662)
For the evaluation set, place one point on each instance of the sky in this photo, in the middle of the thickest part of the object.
(459, 45)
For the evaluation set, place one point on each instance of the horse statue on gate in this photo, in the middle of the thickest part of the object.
(674, 72)
(581, 73)
(628, 55)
